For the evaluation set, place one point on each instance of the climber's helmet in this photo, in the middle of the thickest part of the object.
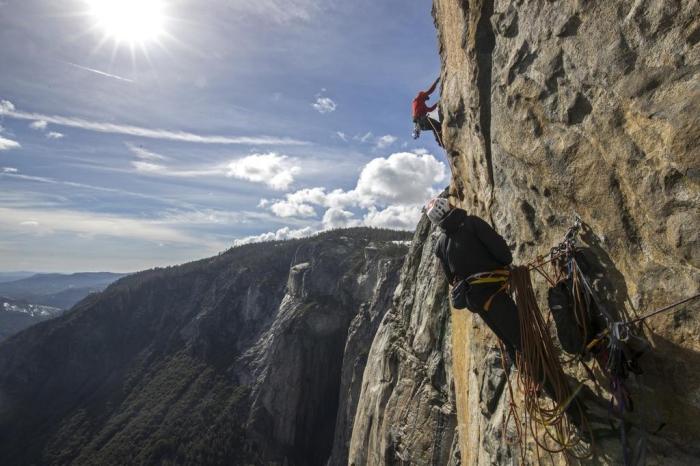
(437, 209)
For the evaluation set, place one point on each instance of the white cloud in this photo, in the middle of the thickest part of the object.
(8, 109)
(6, 106)
(54, 135)
(308, 195)
(144, 154)
(7, 144)
(290, 209)
(342, 136)
(299, 203)
(281, 234)
(274, 170)
(8, 170)
(402, 178)
(39, 125)
(339, 218)
(391, 190)
(385, 141)
(324, 104)
(397, 217)
(30, 223)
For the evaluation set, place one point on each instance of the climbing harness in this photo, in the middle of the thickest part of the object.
(459, 293)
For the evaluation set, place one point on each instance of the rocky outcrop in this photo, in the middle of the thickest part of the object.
(553, 108)
(406, 412)
(241, 358)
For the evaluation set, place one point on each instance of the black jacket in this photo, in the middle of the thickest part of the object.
(469, 245)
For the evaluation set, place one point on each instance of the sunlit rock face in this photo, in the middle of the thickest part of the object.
(556, 108)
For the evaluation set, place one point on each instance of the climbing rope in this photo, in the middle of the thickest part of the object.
(668, 308)
(438, 134)
(539, 369)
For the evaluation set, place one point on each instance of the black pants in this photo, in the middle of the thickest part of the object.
(425, 123)
(504, 320)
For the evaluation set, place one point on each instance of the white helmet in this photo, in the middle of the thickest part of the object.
(437, 209)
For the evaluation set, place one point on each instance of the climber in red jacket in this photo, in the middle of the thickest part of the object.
(421, 119)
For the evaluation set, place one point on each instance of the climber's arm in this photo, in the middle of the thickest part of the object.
(432, 88)
(439, 252)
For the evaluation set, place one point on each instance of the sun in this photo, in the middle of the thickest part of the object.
(130, 21)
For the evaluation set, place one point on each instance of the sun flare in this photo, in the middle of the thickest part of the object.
(130, 21)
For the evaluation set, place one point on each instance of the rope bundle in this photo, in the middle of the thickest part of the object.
(539, 369)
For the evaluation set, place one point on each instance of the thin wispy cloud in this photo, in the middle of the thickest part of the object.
(13, 173)
(90, 223)
(274, 170)
(163, 170)
(98, 72)
(8, 109)
(363, 137)
(279, 11)
(143, 153)
(42, 125)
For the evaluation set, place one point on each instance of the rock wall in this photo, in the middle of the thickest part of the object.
(406, 411)
(556, 108)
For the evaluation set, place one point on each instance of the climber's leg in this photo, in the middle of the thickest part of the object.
(431, 124)
(502, 318)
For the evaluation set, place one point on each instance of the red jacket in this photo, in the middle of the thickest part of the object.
(419, 107)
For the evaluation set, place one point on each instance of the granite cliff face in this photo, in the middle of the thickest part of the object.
(551, 109)
(559, 107)
(406, 411)
(242, 358)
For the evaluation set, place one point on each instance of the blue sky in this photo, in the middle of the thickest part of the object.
(239, 121)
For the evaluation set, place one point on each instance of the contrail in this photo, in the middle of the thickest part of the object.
(101, 73)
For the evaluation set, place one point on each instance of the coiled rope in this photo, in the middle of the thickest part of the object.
(539, 369)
